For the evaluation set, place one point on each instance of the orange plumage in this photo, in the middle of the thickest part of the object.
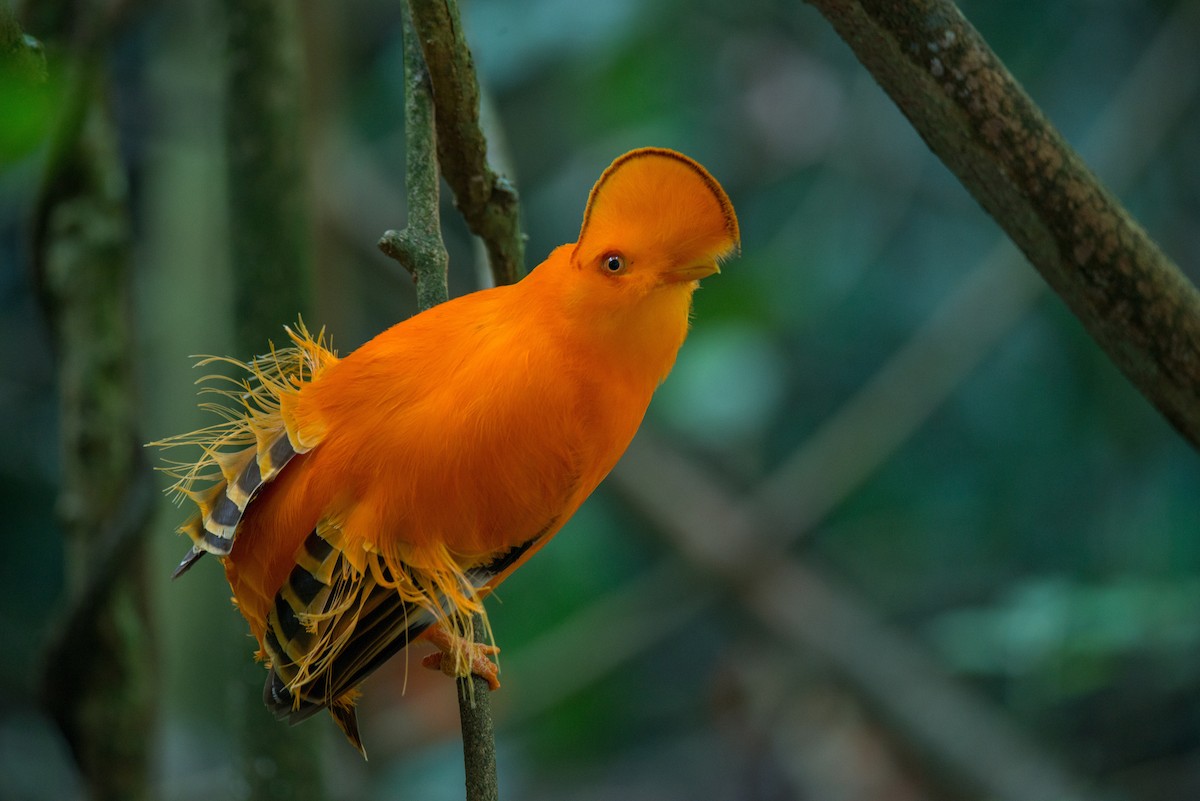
(362, 502)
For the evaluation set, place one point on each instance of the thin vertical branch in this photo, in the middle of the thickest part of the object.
(487, 201)
(419, 247)
(478, 733)
(420, 250)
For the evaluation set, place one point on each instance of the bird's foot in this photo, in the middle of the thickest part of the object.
(451, 648)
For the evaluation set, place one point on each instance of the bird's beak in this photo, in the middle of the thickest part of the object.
(694, 272)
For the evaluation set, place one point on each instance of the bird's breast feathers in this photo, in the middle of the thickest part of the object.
(505, 432)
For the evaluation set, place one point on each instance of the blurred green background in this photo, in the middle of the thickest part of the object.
(1000, 499)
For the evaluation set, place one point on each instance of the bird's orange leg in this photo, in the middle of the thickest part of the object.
(449, 645)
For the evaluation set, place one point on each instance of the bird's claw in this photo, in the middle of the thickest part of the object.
(478, 657)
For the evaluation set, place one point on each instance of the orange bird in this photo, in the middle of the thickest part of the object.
(362, 502)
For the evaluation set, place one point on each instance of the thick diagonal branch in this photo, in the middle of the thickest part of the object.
(1130, 297)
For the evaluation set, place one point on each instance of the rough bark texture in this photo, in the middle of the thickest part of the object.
(488, 201)
(479, 737)
(971, 112)
(419, 247)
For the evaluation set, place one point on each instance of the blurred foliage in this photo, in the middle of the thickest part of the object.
(27, 111)
(1038, 532)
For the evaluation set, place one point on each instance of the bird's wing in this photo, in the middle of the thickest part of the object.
(258, 427)
(341, 615)
(222, 505)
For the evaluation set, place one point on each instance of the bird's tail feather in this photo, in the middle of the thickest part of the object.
(335, 622)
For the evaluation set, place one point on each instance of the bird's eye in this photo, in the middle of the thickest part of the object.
(614, 263)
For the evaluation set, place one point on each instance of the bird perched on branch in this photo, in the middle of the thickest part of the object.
(364, 502)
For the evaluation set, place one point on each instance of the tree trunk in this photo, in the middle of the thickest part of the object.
(99, 681)
(272, 284)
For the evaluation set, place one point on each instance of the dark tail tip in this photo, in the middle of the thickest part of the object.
(276, 696)
(346, 720)
(192, 557)
(281, 702)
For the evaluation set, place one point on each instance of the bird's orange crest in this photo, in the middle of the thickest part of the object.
(653, 198)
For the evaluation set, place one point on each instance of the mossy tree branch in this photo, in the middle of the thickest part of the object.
(419, 247)
(420, 250)
(478, 733)
(487, 201)
(973, 114)
(98, 678)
